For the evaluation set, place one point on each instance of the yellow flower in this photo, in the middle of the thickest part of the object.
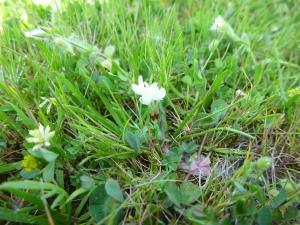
(29, 163)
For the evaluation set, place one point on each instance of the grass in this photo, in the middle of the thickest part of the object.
(108, 162)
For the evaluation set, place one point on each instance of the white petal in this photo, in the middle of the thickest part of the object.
(147, 96)
(137, 89)
(43, 103)
(32, 140)
(141, 82)
(161, 94)
(51, 134)
(41, 130)
(46, 134)
(36, 147)
(34, 33)
(218, 24)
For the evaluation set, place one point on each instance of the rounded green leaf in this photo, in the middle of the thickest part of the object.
(113, 189)
(189, 193)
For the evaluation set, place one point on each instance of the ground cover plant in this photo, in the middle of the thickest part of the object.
(149, 112)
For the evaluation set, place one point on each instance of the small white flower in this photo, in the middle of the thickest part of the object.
(24, 17)
(239, 93)
(148, 93)
(36, 33)
(41, 137)
(219, 24)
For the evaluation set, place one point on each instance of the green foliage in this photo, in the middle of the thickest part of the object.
(231, 96)
(187, 193)
(113, 189)
(102, 207)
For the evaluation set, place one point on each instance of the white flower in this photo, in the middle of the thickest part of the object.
(24, 17)
(35, 33)
(148, 93)
(41, 137)
(49, 102)
(239, 93)
(219, 24)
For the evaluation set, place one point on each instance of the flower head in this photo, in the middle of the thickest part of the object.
(29, 163)
(41, 137)
(240, 94)
(219, 24)
(148, 93)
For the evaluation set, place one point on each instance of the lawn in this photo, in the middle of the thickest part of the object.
(150, 112)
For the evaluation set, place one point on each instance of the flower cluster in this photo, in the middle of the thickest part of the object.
(29, 163)
(148, 93)
(41, 137)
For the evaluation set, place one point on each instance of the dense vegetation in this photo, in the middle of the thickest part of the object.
(150, 112)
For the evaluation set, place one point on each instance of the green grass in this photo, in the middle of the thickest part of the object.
(108, 163)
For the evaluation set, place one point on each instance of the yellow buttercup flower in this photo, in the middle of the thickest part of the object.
(29, 163)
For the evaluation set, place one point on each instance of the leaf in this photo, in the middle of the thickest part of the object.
(187, 80)
(133, 140)
(189, 193)
(48, 172)
(188, 147)
(171, 160)
(265, 216)
(240, 187)
(113, 189)
(291, 213)
(173, 193)
(102, 205)
(217, 83)
(48, 155)
(87, 182)
(33, 185)
(30, 175)
(9, 167)
(15, 216)
(75, 194)
(280, 198)
(218, 109)
(33, 198)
